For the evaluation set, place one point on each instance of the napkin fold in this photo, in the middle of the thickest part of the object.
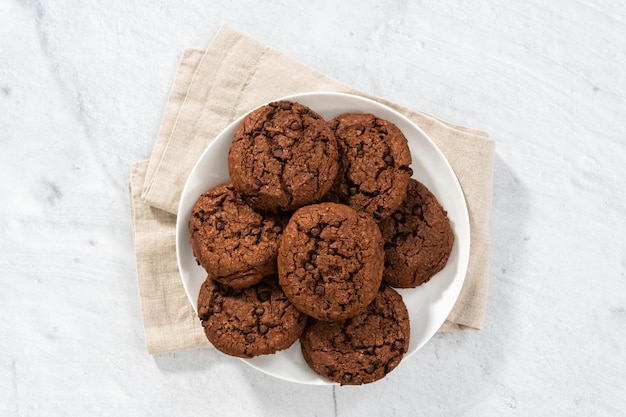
(211, 89)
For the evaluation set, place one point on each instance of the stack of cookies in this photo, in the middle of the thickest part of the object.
(320, 220)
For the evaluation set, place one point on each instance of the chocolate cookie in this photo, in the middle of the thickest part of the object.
(250, 321)
(361, 349)
(418, 239)
(374, 164)
(235, 244)
(283, 156)
(330, 261)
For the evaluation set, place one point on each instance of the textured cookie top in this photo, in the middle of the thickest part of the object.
(235, 244)
(250, 321)
(361, 349)
(283, 156)
(330, 261)
(418, 239)
(374, 164)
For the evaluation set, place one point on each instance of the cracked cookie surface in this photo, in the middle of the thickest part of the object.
(247, 322)
(374, 159)
(330, 261)
(361, 349)
(235, 244)
(283, 156)
(418, 239)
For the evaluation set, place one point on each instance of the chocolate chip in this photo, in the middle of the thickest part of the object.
(317, 276)
(383, 130)
(313, 256)
(277, 228)
(320, 290)
(398, 345)
(388, 160)
(220, 225)
(256, 133)
(315, 231)
(353, 190)
(309, 267)
(313, 115)
(370, 369)
(264, 295)
(263, 329)
(347, 377)
(398, 216)
(285, 105)
(336, 223)
(408, 170)
(370, 350)
(250, 338)
(267, 125)
(278, 153)
(295, 125)
(259, 311)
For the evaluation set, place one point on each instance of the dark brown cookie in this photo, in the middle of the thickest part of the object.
(374, 164)
(236, 245)
(418, 239)
(361, 349)
(283, 156)
(247, 322)
(330, 261)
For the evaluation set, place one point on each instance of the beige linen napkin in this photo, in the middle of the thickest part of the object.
(211, 89)
(168, 319)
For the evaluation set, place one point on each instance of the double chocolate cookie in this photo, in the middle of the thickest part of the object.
(283, 156)
(361, 349)
(247, 322)
(330, 261)
(418, 239)
(236, 245)
(374, 164)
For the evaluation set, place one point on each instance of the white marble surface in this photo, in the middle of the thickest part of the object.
(82, 90)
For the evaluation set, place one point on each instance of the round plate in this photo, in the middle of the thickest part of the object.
(428, 304)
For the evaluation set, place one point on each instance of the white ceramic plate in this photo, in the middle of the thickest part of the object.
(428, 305)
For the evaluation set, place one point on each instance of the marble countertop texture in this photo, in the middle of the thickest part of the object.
(82, 89)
